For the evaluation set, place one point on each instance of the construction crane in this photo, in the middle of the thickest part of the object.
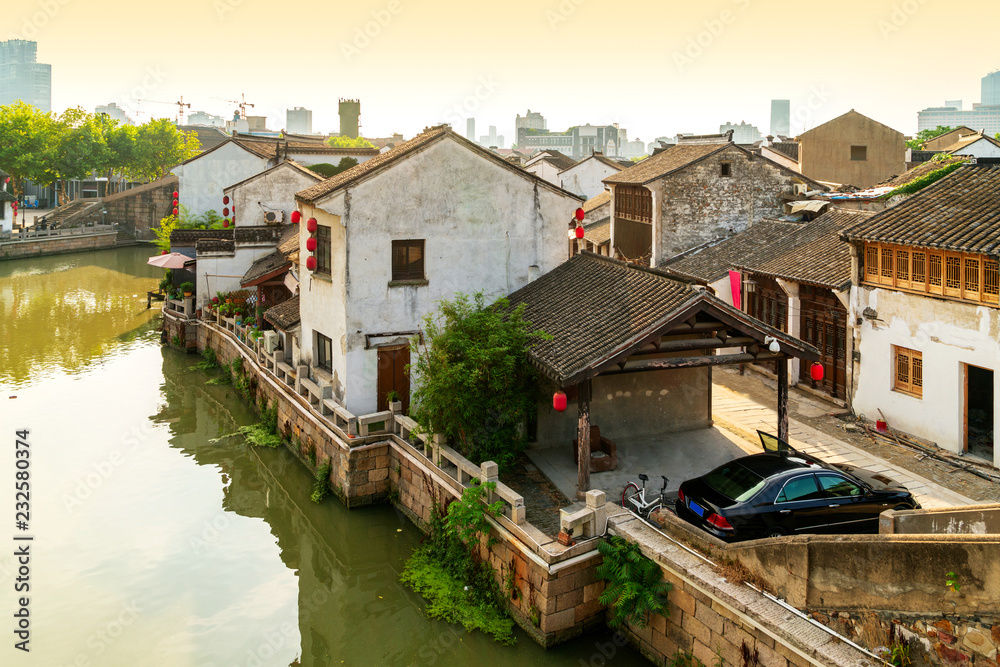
(180, 107)
(241, 103)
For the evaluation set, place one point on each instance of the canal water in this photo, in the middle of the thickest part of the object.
(155, 544)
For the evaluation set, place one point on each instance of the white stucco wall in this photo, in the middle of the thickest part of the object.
(585, 177)
(484, 227)
(544, 169)
(274, 190)
(948, 334)
(221, 272)
(201, 181)
(7, 223)
(981, 148)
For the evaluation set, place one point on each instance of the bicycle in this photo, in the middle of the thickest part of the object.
(634, 498)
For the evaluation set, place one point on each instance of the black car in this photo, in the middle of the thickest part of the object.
(788, 493)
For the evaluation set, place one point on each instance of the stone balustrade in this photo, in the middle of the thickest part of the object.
(588, 521)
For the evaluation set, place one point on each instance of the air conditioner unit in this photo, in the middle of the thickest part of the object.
(274, 216)
(271, 341)
(800, 188)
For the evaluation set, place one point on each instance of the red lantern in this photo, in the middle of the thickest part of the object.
(175, 194)
(175, 211)
(559, 401)
(296, 216)
(225, 223)
(311, 244)
(312, 225)
(175, 203)
(225, 200)
(816, 371)
(163, 252)
(225, 212)
(311, 263)
(579, 232)
(580, 214)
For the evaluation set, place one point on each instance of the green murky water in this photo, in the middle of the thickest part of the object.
(153, 545)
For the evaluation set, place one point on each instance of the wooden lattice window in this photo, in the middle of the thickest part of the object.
(871, 260)
(909, 371)
(971, 276)
(953, 273)
(991, 280)
(935, 272)
(919, 274)
(887, 263)
(903, 265)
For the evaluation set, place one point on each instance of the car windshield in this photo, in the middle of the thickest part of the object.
(735, 481)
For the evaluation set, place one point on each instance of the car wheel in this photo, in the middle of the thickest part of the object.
(775, 531)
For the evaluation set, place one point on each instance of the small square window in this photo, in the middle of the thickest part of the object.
(727, 170)
(408, 260)
(324, 352)
(859, 153)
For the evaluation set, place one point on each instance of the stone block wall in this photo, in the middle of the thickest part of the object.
(140, 209)
(57, 245)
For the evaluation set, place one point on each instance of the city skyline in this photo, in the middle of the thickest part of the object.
(714, 63)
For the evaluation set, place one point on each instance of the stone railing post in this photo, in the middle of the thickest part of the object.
(489, 472)
(437, 440)
(598, 502)
(395, 407)
(301, 371)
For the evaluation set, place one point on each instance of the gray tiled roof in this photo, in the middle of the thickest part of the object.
(186, 238)
(598, 232)
(285, 315)
(711, 262)
(668, 161)
(789, 149)
(960, 212)
(812, 252)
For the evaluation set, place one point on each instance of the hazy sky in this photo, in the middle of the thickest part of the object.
(657, 68)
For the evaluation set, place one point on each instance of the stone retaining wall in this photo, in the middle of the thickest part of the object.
(140, 209)
(57, 245)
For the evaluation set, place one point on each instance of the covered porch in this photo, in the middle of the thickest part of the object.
(631, 352)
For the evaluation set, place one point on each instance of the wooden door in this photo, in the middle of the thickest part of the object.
(824, 324)
(392, 375)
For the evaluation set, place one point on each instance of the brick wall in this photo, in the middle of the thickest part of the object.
(140, 209)
(57, 245)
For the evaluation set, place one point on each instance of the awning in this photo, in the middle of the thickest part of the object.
(813, 205)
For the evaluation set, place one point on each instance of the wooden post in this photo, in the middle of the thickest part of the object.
(583, 437)
(783, 399)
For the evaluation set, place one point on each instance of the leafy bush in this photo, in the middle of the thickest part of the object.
(186, 287)
(635, 587)
(321, 487)
(473, 380)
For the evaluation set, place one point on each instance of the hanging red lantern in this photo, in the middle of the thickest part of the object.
(311, 263)
(296, 216)
(175, 203)
(175, 194)
(225, 212)
(579, 232)
(311, 244)
(559, 401)
(580, 214)
(312, 225)
(225, 200)
(225, 223)
(163, 252)
(816, 371)
(175, 212)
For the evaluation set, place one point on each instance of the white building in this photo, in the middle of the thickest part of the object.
(548, 165)
(586, 177)
(434, 216)
(203, 177)
(927, 281)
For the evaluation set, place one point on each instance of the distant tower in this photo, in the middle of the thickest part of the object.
(781, 117)
(991, 90)
(350, 115)
(470, 129)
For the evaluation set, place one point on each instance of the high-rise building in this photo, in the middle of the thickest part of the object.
(299, 120)
(470, 129)
(350, 118)
(991, 90)
(114, 112)
(22, 78)
(532, 121)
(983, 116)
(781, 118)
(743, 133)
(205, 118)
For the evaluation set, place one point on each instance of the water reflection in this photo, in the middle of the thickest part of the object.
(58, 314)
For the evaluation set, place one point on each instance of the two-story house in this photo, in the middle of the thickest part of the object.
(852, 149)
(383, 242)
(925, 316)
(701, 189)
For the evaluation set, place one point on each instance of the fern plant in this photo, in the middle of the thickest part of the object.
(635, 587)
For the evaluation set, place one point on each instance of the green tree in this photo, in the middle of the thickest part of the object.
(472, 378)
(924, 136)
(349, 142)
(159, 145)
(26, 143)
(328, 170)
(79, 147)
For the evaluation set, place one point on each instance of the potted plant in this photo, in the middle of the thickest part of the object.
(187, 288)
(392, 398)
